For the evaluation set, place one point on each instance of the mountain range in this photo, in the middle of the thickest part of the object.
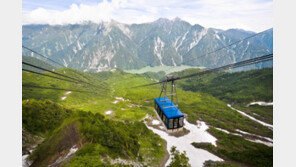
(96, 47)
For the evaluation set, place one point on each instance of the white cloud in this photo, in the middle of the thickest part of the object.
(253, 15)
(75, 14)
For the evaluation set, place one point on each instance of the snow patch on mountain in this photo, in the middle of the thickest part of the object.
(223, 130)
(109, 25)
(94, 62)
(261, 103)
(121, 43)
(183, 38)
(107, 29)
(78, 45)
(197, 133)
(124, 29)
(108, 56)
(102, 68)
(62, 47)
(48, 52)
(101, 54)
(269, 141)
(74, 50)
(158, 46)
(245, 50)
(197, 37)
(217, 36)
(56, 46)
(176, 41)
(65, 63)
(174, 62)
(252, 118)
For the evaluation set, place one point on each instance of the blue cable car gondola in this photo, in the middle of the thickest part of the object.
(170, 115)
(167, 109)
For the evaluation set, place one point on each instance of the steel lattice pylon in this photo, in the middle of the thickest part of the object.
(169, 92)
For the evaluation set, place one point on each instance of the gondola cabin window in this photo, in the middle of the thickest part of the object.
(170, 124)
(181, 121)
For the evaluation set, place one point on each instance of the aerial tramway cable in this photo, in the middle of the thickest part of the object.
(57, 73)
(63, 89)
(33, 51)
(256, 60)
(58, 63)
(34, 72)
(234, 65)
(71, 81)
(43, 56)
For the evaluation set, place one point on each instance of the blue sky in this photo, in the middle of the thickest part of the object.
(29, 5)
(254, 15)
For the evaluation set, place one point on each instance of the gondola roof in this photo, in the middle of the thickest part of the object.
(168, 108)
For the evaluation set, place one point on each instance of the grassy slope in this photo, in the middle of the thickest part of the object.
(197, 105)
(96, 103)
(101, 138)
(237, 87)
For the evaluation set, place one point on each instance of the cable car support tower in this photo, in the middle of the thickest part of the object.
(169, 92)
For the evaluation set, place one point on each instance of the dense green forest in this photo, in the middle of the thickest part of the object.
(79, 118)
